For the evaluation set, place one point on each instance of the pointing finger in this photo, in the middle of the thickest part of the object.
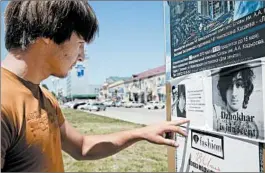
(179, 122)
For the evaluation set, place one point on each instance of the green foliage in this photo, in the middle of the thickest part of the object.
(53, 93)
(45, 86)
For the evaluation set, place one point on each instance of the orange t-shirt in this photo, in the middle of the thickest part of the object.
(30, 127)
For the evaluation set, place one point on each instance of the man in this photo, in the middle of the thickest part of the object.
(174, 93)
(179, 101)
(181, 105)
(235, 86)
(45, 38)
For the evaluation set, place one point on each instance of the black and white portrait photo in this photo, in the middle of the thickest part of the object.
(238, 100)
(179, 100)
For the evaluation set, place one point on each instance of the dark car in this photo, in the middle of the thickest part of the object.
(78, 104)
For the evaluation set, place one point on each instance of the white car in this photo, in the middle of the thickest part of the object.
(76, 105)
(137, 105)
(108, 103)
(127, 104)
(155, 105)
(84, 107)
(69, 105)
(93, 107)
(120, 104)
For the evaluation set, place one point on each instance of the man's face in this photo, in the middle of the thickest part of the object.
(235, 94)
(174, 93)
(181, 103)
(64, 56)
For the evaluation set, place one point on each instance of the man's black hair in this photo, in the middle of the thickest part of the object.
(181, 91)
(28, 20)
(226, 78)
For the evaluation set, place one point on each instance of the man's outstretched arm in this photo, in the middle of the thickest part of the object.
(94, 147)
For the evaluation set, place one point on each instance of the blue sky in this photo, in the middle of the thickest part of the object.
(130, 40)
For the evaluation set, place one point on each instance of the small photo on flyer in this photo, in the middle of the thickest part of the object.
(238, 100)
(179, 99)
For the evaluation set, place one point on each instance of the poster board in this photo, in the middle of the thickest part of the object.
(215, 72)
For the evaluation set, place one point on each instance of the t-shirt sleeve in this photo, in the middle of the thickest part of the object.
(6, 136)
(60, 115)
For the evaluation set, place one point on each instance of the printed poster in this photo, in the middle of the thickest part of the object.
(217, 77)
(227, 100)
(217, 65)
(207, 152)
(238, 100)
(212, 35)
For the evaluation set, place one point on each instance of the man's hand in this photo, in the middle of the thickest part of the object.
(94, 147)
(155, 133)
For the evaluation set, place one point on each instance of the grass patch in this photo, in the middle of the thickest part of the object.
(140, 157)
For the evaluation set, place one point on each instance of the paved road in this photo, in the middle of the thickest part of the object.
(135, 115)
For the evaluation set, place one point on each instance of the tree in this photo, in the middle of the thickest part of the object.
(53, 93)
(45, 86)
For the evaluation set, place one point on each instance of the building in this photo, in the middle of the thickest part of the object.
(113, 79)
(112, 88)
(150, 85)
(103, 93)
(78, 85)
(116, 90)
(215, 9)
(143, 87)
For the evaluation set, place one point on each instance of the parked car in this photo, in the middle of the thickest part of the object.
(137, 105)
(120, 104)
(114, 104)
(128, 104)
(155, 105)
(69, 104)
(76, 105)
(66, 105)
(108, 103)
(93, 107)
(84, 107)
(97, 107)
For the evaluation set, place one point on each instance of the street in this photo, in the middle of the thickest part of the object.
(135, 115)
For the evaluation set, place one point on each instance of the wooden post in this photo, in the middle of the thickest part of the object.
(171, 151)
(263, 157)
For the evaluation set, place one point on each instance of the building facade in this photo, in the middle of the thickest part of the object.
(143, 87)
(78, 85)
(215, 9)
(116, 90)
(103, 93)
